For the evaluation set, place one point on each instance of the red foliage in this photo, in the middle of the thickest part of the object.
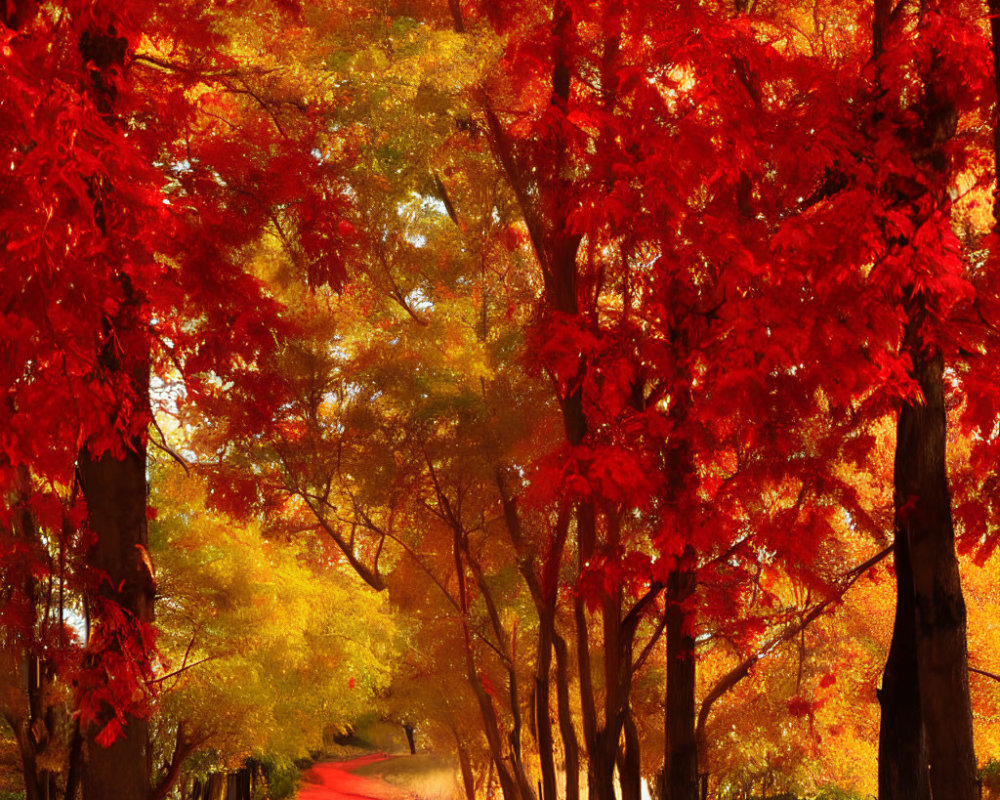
(127, 203)
(747, 223)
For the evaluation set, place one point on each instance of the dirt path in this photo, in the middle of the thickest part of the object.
(335, 780)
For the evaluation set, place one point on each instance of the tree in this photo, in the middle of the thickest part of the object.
(125, 217)
(926, 744)
(245, 623)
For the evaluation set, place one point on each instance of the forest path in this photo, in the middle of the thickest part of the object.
(335, 780)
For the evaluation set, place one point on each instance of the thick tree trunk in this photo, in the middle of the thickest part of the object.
(931, 602)
(629, 762)
(925, 520)
(115, 489)
(601, 784)
(116, 505)
(680, 769)
(902, 750)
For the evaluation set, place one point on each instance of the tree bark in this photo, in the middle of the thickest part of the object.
(543, 722)
(680, 769)
(931, 602)
(571, 746)
(116, 507)
(465, 765)
(924, 519)
(588, 706)
(116, 493)
(29, 764)
(629, 762)
(902, 749)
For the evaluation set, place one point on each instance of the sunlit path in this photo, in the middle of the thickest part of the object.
(337, 781)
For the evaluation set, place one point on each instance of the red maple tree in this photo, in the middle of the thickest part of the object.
(141, 160)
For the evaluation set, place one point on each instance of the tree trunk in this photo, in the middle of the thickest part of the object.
(601, 783)
(29, 765)
(930, 596)
(679, 780)
(74, 761)
(924, 519)
(543, 722)
(114, 483)
(116, 507)
(571, 747)
(513, 783)
(902, 749)
(116, 493)
(586, 535)
(629, 762)
(215, 786)
(465, 765)
(617, 673)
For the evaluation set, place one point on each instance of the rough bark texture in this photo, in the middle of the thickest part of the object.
(902, 750)
(116, 502)
(921, 484)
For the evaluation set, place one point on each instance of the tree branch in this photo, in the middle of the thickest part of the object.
(741, 670)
